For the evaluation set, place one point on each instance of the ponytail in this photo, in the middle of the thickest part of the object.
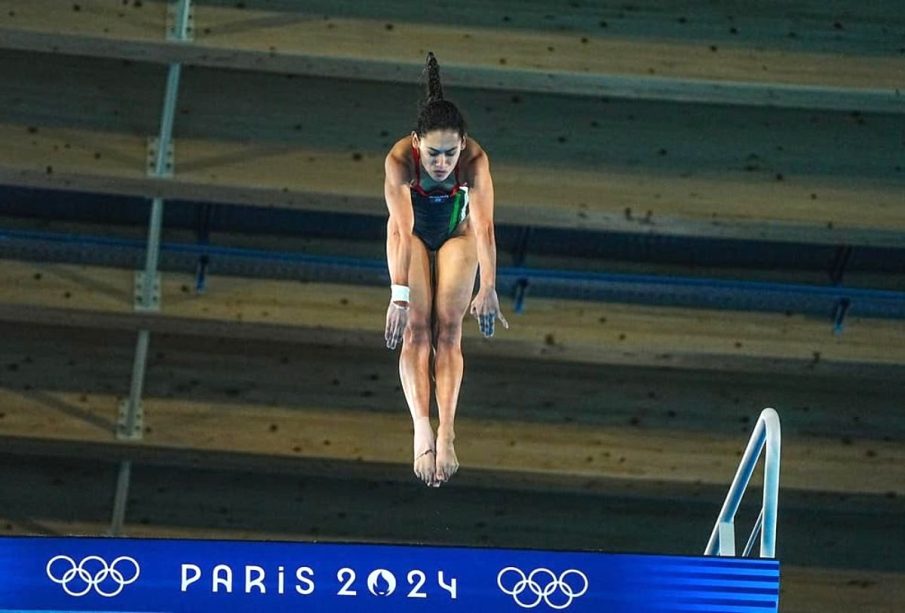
(434, 87)
(436, 113)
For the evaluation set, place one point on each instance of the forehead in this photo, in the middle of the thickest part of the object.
(441, 139)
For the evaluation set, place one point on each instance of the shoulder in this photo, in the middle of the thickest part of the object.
(475, 163)
(398, 163)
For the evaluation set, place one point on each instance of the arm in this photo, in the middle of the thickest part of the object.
(481, 212)
(399, 244)
(401, 220)
(486, 305)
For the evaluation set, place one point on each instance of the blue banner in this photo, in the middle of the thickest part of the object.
(149, 575)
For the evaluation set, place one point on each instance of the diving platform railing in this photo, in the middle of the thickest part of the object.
(722, 540)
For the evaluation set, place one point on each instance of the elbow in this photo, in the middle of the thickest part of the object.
(397, 231)
(484, 231)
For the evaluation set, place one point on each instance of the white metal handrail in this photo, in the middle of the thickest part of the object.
(722, 539)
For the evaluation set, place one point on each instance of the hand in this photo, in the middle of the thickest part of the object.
(486, 309)
(397, 317)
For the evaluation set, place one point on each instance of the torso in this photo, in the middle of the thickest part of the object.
(440, 208)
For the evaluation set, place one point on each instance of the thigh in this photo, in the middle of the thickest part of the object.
(420, 285)
(457, 265)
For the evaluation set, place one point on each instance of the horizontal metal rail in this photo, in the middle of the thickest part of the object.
(641, 289)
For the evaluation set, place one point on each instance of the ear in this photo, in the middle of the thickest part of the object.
(416, 142)
(463, 143)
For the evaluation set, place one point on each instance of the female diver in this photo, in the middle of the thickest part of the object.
(440, 232)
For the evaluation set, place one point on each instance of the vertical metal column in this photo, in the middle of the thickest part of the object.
(147, 296)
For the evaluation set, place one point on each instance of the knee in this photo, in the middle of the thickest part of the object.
(418, 333)
(449, 333)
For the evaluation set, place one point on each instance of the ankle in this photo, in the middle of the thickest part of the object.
(446, 431)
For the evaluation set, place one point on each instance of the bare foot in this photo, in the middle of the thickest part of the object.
(425, 451)
(447, 462)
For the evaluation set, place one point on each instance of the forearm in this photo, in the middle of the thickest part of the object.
(399, 249)
(486, 243)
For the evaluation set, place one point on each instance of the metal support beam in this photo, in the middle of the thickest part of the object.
(149, 279)
(148, 282)
(131, 422)
(169, 158)
(143, 285)
(163, 165)
(122, 495)
(180, 21)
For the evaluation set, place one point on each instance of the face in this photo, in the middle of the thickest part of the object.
(440, 151)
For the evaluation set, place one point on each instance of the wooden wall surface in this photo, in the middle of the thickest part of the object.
(587, 425)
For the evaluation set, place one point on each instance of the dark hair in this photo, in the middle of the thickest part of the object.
(434, 112)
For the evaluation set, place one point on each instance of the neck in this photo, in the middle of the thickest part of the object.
(429, 183)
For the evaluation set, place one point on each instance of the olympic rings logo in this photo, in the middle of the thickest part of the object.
(92, 573)
(571, 584)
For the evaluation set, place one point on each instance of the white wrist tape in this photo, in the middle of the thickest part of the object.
(400, 293)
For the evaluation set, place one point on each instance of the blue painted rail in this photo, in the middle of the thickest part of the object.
(818, 300)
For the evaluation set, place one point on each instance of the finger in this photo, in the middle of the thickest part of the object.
(394, 333)
(487, 324)
(391, 336)
(503, 320)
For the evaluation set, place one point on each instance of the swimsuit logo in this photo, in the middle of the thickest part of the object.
(557, 592)
(93, 573)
